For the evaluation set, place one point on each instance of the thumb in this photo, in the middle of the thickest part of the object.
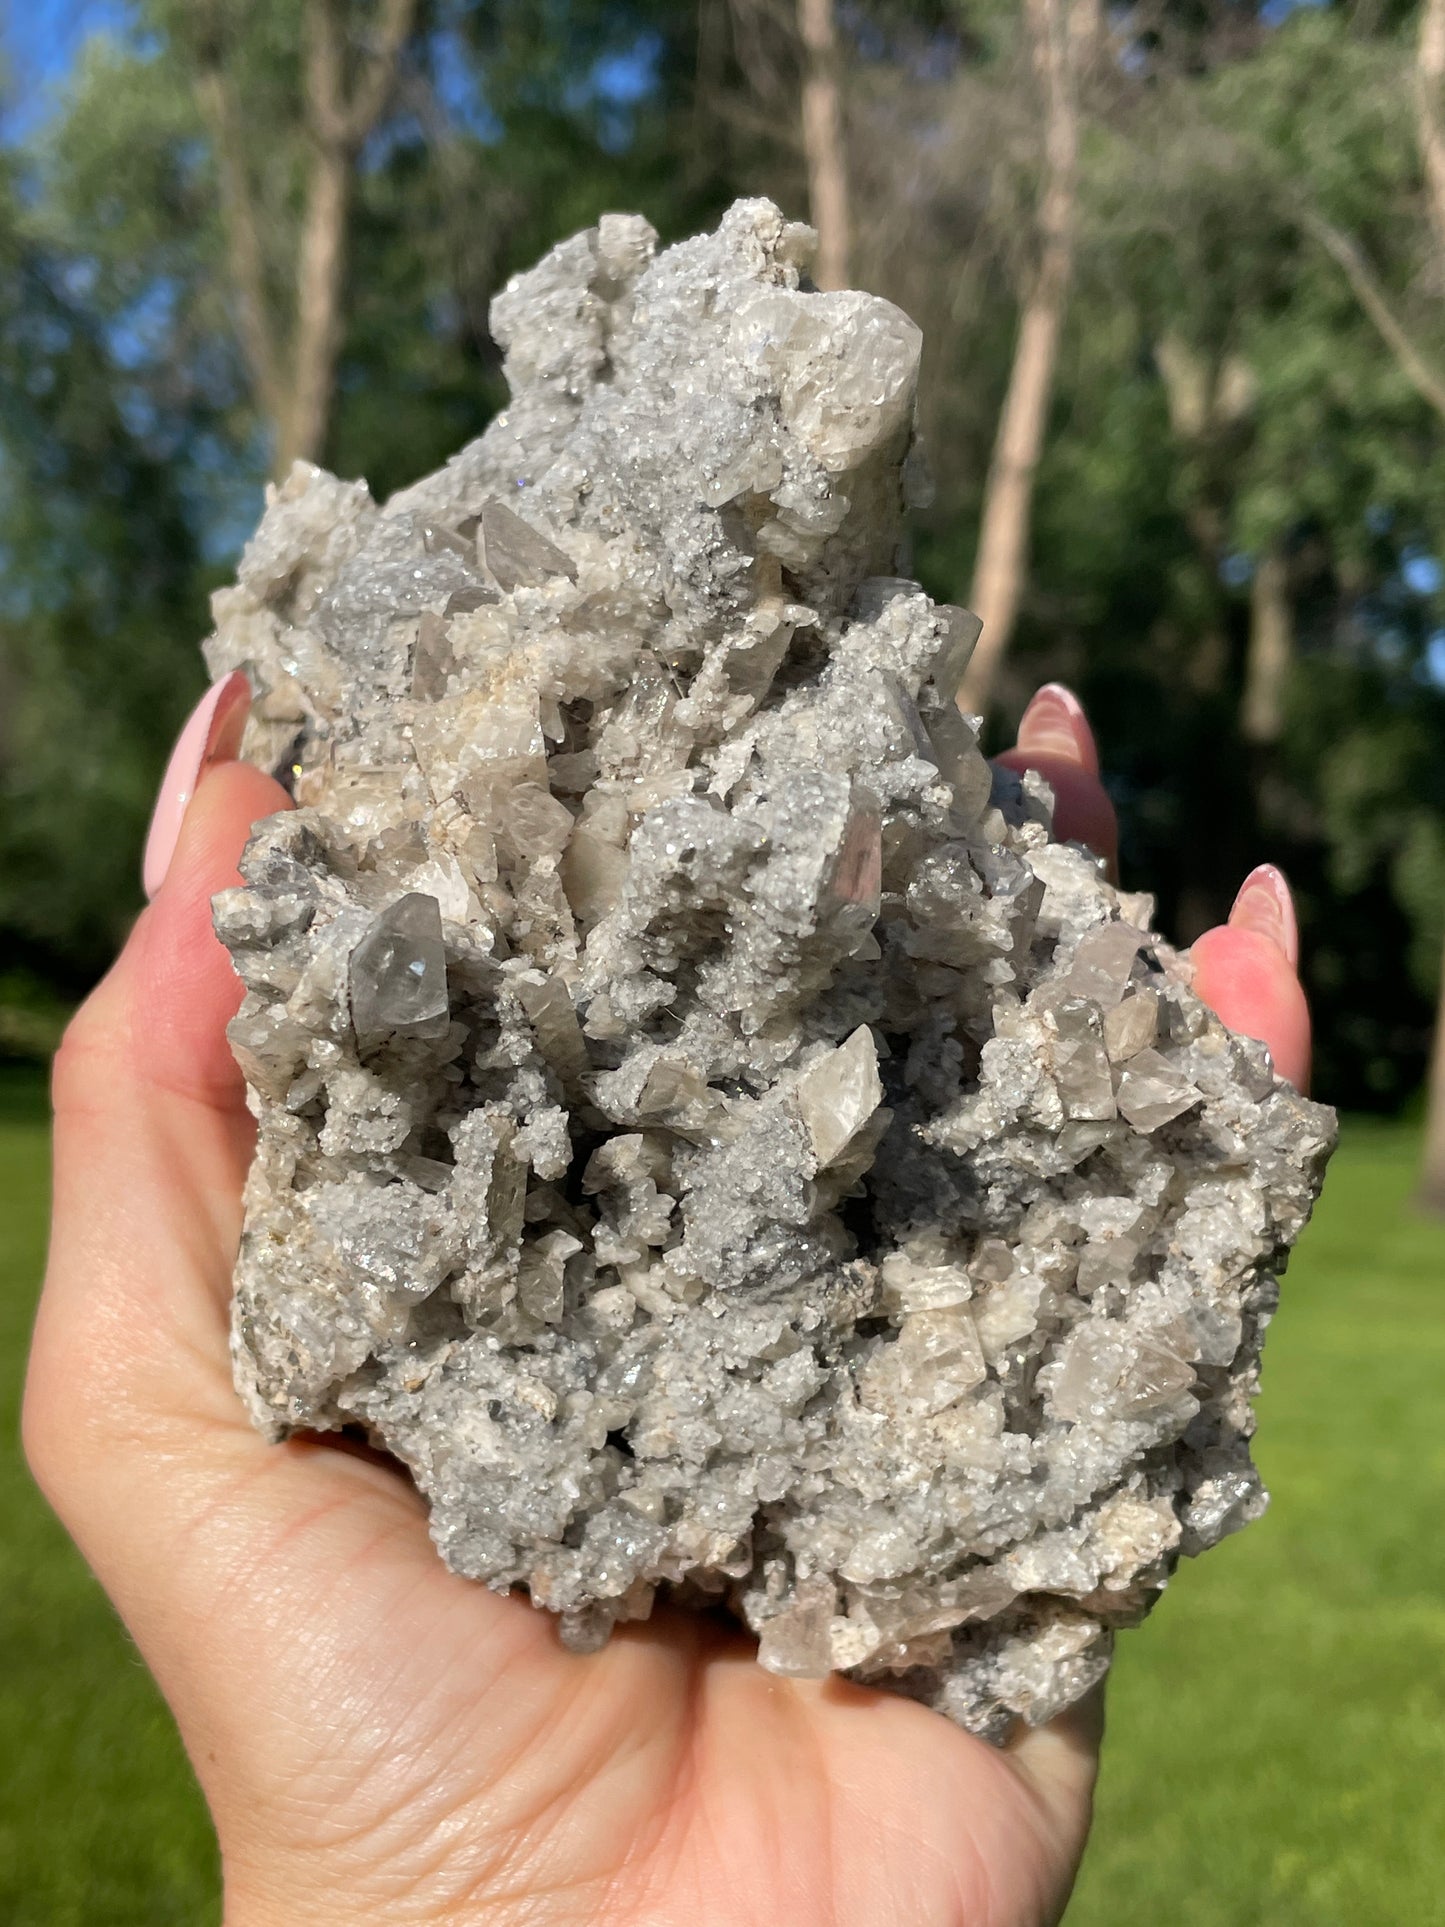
(151, 1142)
(132, 1427)
(148, 1099)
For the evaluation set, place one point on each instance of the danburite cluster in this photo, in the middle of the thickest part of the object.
(709, 1131)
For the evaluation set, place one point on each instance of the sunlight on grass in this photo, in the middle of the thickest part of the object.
(1277, 1731)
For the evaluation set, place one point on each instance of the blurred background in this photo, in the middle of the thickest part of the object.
(1181, 271)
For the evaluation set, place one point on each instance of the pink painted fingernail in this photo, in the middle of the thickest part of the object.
(1055, 724)
(211, 735)
(1264, 904)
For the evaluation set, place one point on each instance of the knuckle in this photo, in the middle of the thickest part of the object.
(84, 1060)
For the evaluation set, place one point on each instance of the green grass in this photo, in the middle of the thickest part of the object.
(1277, 1731)
(101, 1824)
(1276, 1745)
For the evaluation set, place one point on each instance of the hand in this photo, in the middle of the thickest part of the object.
(380, 1741)
(1246, 970)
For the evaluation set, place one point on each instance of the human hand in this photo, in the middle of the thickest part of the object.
(379, 1740)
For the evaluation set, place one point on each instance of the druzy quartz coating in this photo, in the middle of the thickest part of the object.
(709, 1130)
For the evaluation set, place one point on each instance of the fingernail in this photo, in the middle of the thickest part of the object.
(1264, 904)
(211, 735)
(1055, 723)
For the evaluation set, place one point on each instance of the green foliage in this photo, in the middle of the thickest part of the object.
(1224, 398)
(1221, 398)
(101, 585)
(131, 450)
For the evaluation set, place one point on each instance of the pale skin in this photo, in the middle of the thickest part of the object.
(378, 1740)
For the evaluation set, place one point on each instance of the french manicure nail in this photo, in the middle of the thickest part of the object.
(1264, 904)
(1055, 723)
(211, 735)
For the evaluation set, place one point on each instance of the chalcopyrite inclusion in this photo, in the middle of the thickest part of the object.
(709, 1130)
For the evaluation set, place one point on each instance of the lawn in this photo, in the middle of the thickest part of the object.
(101, 1824)
(1277, 1731)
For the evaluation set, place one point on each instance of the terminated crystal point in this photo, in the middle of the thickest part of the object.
(514, 555)
(399, 973)
(709, 1130)
(838, 1095)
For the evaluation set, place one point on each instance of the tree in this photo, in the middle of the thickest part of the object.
(292, 343)
(1062, 37)
(1235, 505)
(132, 447)
(823, 143)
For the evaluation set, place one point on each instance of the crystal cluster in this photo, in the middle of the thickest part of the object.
(710, 1131)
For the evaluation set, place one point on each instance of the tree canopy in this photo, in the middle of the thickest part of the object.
(1232, 538)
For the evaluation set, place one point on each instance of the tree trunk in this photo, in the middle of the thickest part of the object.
(245, 255)
(1057, 33)
(823, 143)
(1271, 651)
(292, 356)
(1429, 76)
(320, 276)
(998, 574)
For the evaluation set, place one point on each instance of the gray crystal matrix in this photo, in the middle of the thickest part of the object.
(710, 1131)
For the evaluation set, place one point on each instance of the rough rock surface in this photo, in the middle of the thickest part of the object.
(708, 1129)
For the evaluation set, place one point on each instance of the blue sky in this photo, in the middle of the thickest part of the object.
(40, 36)
(39, 39)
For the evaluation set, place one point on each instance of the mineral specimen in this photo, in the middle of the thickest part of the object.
(709, 1130)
